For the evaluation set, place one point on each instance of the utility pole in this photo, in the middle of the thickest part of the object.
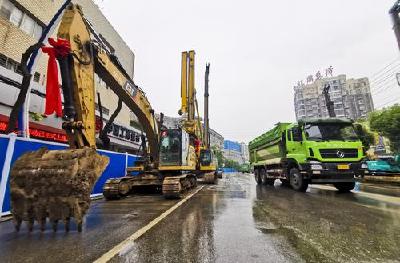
(394, 14)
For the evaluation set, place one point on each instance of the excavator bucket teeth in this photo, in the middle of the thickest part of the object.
(54, 184)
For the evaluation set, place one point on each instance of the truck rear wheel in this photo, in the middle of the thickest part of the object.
(257, 176)
(345, 187)
(297, 181)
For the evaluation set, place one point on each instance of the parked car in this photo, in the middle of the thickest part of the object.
(384, 165)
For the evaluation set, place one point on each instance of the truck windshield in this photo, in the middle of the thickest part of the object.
(170, 150)
(327, 132)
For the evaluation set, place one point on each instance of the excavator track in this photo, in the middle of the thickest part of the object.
(176, 186)
(116, 188)
(54, 185)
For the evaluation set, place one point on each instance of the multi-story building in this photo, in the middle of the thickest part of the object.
(21, 24)
(236, 151)
(351, 97)
(245, 151)
(216, 140)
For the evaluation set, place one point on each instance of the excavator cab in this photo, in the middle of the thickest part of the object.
(206, 157)
(174, 147)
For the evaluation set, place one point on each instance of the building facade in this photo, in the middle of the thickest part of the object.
(236, 151)
(351, 97)
(216, 140)
(21, 25)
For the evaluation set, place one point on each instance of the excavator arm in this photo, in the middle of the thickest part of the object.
(57, 184)
(92, 57)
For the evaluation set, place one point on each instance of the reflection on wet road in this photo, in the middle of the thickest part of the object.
(237, 221)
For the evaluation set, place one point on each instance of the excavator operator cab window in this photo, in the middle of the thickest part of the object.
(171, 147)
(205, 157)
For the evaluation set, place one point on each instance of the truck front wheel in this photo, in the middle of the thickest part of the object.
(297, 181)
(345, 187)
(257, 176)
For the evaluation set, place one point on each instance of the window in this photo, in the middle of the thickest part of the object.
(20, 19)
(37, 32)
(6, 9)
(296, 134)
(16, 17)
(28, 25)
(3, 60)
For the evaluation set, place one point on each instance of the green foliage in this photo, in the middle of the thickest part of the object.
(35, 116)
(218, 155)
(387, 123)
(232, 164)
(366, 137)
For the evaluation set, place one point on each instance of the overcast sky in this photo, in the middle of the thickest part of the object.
(258, 50)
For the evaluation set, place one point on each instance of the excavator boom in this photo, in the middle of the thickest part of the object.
(57, 184)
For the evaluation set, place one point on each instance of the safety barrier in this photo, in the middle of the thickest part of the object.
(11, 147)
(229, 170)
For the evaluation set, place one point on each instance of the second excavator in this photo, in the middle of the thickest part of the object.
(184, 153)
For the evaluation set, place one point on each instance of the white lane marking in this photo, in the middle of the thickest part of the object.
(121, 246)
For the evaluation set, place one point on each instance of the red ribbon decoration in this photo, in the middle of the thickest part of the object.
(60, 48)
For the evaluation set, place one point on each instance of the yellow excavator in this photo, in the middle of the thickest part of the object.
(183, 154)
(57, 184)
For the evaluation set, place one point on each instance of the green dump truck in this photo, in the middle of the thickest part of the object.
(315, 151)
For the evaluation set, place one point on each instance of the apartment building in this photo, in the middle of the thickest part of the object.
(351, 97)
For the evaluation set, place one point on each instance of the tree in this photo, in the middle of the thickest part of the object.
(218, 155)
(387, 123)
(366, 137)
(232, 164)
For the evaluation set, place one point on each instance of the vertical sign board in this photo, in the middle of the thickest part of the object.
(3, 147)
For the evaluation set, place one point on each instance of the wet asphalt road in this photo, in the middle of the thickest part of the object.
(234, 221)
(106, 224)
(238, 221)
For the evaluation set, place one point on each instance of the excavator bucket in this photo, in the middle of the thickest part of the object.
(54, 184)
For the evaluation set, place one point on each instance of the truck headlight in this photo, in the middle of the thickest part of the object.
(316, 167)
(364, 166)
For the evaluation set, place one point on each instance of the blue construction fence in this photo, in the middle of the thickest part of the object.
(12, 147)
(229, 170)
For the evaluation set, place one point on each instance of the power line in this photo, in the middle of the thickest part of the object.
(391, 72)
(379, 86)
(390, 64)
(389, 102)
